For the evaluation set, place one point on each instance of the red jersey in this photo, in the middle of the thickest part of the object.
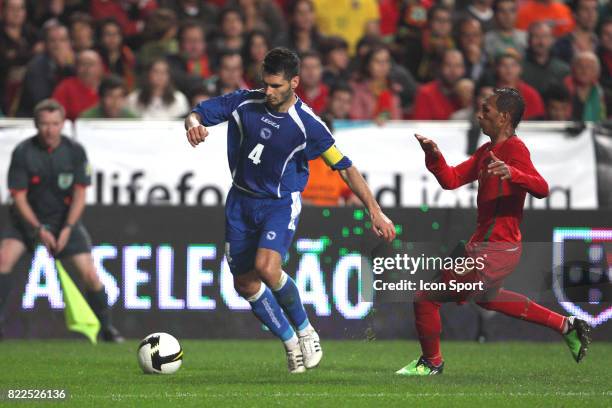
(75, 96)
(500, 202)
(432, 103)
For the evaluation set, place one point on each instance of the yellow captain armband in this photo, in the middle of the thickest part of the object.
(332, 156)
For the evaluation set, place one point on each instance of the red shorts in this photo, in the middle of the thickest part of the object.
(493, 262)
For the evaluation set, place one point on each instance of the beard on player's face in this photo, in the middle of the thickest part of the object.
(278, 100)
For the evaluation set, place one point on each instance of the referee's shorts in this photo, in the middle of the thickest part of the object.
(78, 243)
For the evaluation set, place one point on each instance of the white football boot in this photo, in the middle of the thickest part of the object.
(295, 361)
(311, 348)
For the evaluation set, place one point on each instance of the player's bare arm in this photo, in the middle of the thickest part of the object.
(381, 224)
(196, 132)
(74, 214)
(25, 210)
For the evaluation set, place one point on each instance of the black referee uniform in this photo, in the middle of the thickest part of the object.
(50, 176)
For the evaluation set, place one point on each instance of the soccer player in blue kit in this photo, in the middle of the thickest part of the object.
(272, 135)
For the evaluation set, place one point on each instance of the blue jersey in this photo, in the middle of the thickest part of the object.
(267, 151)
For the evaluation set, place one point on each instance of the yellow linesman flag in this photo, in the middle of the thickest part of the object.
(79, 316)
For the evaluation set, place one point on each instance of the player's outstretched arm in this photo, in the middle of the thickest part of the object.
(196, 132)
(449, 177)
(381, 224)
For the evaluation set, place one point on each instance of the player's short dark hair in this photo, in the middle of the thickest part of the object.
(283, 61)
(48, 105)
(109, 83)
(510, 101)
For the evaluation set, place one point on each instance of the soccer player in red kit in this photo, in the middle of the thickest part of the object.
(505, 175)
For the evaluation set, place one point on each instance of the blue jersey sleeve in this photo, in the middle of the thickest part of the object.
(319, 139)
(219, 109)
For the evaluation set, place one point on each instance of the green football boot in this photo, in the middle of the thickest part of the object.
(421, 367)
(578, 337)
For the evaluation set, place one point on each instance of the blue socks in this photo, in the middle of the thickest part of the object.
(288, 296)
(267, 310)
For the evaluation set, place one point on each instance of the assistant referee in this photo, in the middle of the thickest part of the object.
(47, 179)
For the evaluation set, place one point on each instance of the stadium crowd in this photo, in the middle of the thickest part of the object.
(361, 59)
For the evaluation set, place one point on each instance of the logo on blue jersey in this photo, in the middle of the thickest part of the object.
(270, 122)
(265, 133)
(270, 235)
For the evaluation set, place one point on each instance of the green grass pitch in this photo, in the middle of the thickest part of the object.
(352, 373)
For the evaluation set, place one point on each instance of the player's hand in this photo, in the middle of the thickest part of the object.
(499, 168)
(63, 238)
(196, 135)
(47, 239)
(428, 145)
(383, 226)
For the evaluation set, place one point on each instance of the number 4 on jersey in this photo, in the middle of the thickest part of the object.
(256, 153)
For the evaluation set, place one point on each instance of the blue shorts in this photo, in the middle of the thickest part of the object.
(252, 223)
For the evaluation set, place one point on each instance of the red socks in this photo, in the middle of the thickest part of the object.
(429, 325)
(519, 306)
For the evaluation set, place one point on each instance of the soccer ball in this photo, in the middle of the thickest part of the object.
(160, 353)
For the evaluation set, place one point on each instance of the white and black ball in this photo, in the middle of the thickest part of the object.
(160, 353)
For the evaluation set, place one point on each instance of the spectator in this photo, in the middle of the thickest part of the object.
(403, 81)
(79, 93)
(552, 12)
(18, 42)
(230, 34)
(112, 105)
(130, 15)
(474, 132)
(303, 34)
(349, 19)
(436, 100)
(325, 186)
(191, 66)
(81, 31)
(311, 89)
(583, 84)
(157, 98)
(481, 11)
(159, 36)
(336, 59)
(117, 58)
(256, 48)
(203, 12)
(558, 103)
(541, 70)
(56, 11)
(230, 76)
(464, 91)
(583, 37)
(339, 102)
(374, 95)
(47, 69)
(262, 15)
(505, 36)
(604, 52)
(471, 44)
(508, 75)
(420, 52)
(198, 94)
